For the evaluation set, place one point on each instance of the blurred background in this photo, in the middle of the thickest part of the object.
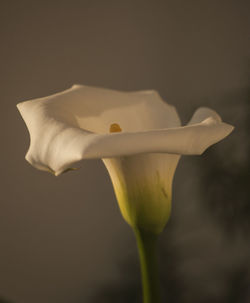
(63, 240)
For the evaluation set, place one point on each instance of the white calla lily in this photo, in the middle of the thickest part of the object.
(141, 152)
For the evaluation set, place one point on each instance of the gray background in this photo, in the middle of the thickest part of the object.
(63, 239)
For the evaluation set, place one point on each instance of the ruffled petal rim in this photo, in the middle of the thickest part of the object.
(56, 145)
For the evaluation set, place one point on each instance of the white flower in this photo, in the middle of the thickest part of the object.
(138, 136)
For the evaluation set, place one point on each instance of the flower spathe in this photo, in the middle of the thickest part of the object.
(138, 136)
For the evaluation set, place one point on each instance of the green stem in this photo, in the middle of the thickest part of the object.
(146, 243)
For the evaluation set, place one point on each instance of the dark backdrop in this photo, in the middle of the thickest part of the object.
(63, 239)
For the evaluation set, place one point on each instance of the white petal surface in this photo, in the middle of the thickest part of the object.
(73, 125)
(95, 109)
(202, 114)
(143, 187)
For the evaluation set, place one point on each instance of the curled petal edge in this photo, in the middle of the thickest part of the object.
(62, 148)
